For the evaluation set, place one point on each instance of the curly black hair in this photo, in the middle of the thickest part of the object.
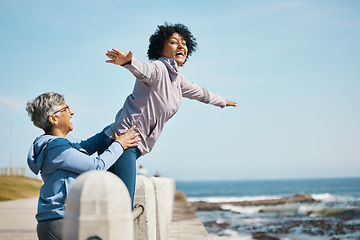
(164, 32)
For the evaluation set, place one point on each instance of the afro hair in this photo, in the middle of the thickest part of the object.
(164, 32)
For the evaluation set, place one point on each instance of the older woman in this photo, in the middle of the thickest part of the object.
(158, 91)
(60, 158)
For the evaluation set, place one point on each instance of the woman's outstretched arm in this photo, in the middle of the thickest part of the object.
(193, 91)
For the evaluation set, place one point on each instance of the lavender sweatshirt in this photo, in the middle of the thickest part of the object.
(156, 97)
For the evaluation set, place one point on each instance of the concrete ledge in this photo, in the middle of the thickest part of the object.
(185, 224)
(18, 220)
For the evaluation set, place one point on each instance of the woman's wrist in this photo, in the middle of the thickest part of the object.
(120, 144)
(129, 62)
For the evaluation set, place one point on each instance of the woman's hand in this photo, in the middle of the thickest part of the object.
(127, 139)
(118, 57)
(231, 103)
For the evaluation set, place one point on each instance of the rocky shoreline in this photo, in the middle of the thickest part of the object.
(335, 230)
(298, 198)
(339, 225)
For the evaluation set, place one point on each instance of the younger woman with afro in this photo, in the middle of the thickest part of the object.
(157, 94)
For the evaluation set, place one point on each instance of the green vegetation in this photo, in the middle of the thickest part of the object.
(15, 187)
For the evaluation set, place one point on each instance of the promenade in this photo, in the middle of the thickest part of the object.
(17, 219)
(185, 224)
(18, 222)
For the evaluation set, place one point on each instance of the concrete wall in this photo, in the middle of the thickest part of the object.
(98, 205)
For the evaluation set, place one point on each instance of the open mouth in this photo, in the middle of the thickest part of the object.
(180, 53)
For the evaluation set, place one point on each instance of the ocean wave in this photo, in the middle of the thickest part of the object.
(323, 211)
(327, 197)
(214, 236)
(241, 209)
(323, 197)
(231, 199)
(311, 210)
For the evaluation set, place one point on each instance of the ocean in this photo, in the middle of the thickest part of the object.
(335, 214)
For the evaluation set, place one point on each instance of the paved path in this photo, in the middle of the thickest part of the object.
(17, 220)
(185, 224)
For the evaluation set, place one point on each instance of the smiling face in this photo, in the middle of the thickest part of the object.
(61, 124)
(175, 48)
(64, 119)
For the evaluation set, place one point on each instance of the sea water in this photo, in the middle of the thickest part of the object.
(336, 215)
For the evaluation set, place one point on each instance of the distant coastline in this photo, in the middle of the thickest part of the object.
(298, 198)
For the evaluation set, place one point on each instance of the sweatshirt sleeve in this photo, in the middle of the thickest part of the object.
(91, 144)
(69, 158)
(193, 91)
(146, 72)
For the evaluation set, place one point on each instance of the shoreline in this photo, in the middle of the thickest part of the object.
(296, 217)
(297, 198)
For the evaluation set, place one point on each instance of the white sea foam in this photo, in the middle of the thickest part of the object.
(327, 197)
(220, 220)
(231, 199)
(324, 197)
(240, 209)
(229, 232)
(308, 209)
(213, 236)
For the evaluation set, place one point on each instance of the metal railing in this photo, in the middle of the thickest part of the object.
(137, 211)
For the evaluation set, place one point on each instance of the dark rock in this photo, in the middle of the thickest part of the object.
(263, 236)
(213, 224)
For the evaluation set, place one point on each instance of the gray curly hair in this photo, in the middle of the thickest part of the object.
(44, 106)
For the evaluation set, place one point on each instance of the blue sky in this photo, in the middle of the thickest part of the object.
(292, 66)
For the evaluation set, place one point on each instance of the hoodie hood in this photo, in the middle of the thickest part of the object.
(38, 151)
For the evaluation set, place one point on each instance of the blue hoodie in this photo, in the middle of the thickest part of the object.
(60, 161)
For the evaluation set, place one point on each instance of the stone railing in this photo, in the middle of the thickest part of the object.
(98, 207)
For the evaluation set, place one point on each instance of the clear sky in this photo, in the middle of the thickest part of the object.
(292, 66)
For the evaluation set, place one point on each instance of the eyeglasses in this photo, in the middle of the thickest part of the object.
(67, 109)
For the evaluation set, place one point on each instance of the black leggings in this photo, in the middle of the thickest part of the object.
(50, 229)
